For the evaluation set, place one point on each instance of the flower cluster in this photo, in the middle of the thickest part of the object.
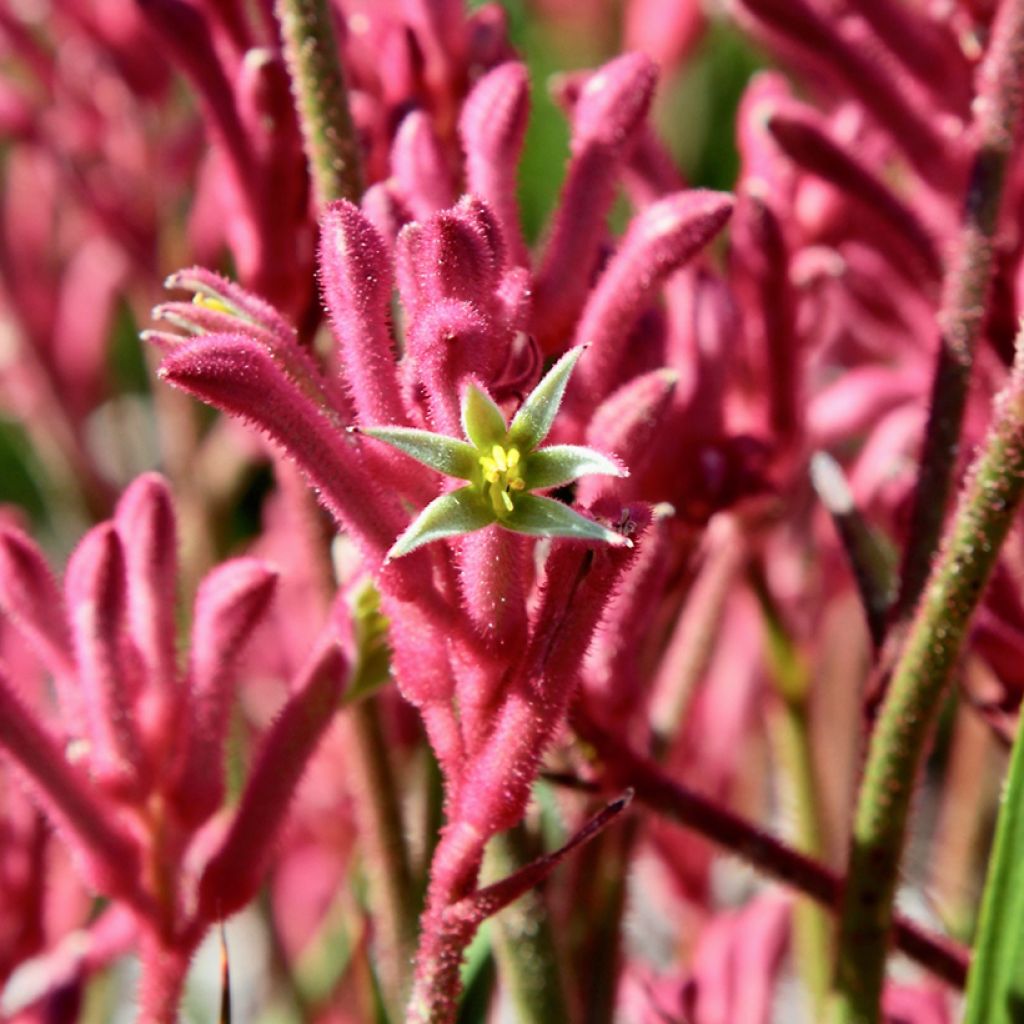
(136, 769)
(615, 514)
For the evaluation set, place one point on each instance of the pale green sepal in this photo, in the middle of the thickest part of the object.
(461, 511)
(538, 411)
(563, 463)
(544, 517)
(482, 419)
(438, 451)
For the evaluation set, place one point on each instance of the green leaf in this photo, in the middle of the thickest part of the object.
(371, 667)
(563, 463)
(445, 454)
(461, 511)
(482, 419)
(538, 411)
(545, 517)
(995, 985)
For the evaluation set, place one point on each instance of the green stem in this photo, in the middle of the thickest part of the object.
(789, 730)
(385, 855)
(321, 99)
(965, 295)
(813, 930)
(523, 939)
(933, 646)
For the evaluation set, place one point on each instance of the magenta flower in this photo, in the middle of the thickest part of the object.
(136, 766)
(487, 642)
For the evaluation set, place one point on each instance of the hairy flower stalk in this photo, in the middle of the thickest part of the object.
(966, 292)
(491, 672)
(984, 516)
(318, 85)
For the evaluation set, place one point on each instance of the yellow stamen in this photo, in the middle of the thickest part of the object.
(502, 474)
(209, 302)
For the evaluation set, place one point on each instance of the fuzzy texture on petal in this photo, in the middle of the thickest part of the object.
(420, 167)
(482, 421)
(233, 300)
(492, 126)
(562, 463)
(231, 602)
(355, 275)
(233, 874)
(238, 376)
(492, 578)
(461, 511)
(95, 591)
(576, 589)
(29, 597)
(146, 525)
(628, 425)
(611, 110)
(445, 454)
(659, 241)
(537, 413)
(88, 820)
(612, 676)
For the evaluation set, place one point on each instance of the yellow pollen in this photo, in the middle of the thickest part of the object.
(502, 474)
(209, 302)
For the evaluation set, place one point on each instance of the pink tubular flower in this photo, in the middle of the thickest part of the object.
(488, 637)
(138, 766)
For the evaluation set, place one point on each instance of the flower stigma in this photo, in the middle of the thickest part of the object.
(502, 474)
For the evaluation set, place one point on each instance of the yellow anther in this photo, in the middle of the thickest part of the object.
(501, 473)
(209, 302)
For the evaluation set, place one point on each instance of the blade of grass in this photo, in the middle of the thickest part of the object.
(995, 985)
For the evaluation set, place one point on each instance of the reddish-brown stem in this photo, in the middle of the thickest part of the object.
(623, 767)
(965, 296)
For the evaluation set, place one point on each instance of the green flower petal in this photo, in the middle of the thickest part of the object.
(544, 517)
(482, 419)
(461, 511)
(563, 463)
(537, 413)
(445, 454)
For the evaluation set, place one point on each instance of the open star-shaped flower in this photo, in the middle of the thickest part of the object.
(503, 466)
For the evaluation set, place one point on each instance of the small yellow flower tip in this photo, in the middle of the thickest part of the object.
(208, 302)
